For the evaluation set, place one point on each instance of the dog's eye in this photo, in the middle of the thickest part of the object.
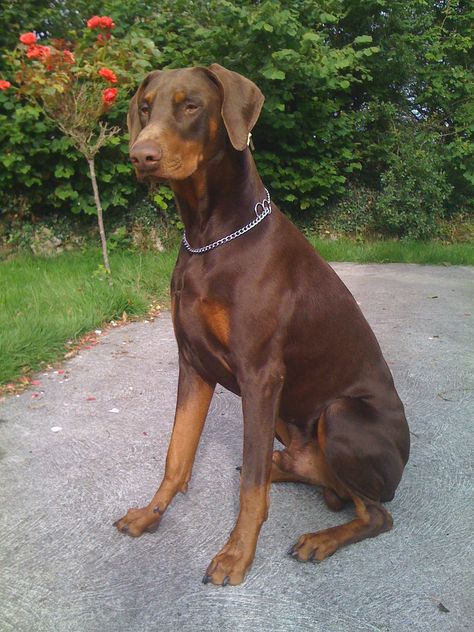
(190, 108)
(145, 108)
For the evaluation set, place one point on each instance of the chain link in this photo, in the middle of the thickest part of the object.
(266, 210)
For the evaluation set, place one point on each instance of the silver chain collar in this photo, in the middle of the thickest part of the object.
(266, 207)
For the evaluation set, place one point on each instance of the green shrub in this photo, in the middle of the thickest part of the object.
(414, 191)
(352, 215)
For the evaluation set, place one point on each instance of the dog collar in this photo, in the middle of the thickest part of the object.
(266, 207)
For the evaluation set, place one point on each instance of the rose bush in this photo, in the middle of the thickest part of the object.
(40, 169)
(69, 82)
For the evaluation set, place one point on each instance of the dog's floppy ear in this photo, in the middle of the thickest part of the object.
(133, 117)
(241, 103)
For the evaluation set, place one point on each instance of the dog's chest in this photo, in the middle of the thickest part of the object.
(203, 332)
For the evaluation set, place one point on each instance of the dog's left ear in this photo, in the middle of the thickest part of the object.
(242, 101)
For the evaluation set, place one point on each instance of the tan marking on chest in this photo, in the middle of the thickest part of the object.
(217, 320)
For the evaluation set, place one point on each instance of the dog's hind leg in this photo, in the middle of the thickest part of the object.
(366, 458)
(371, 520)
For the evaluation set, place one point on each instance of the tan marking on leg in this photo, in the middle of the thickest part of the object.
(304, 463)
(371, 520)
(189, 420)
(231, 563)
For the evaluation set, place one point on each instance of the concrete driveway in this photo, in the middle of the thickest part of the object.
(82, 446)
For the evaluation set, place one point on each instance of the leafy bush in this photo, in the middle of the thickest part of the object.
(352, 215)
(41, 164)
(414, 191)
(343, 80)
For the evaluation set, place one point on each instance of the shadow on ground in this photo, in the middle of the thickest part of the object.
(65, 568)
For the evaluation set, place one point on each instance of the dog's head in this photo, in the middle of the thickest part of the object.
(180, 119)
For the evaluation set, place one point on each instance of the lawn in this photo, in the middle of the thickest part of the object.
(46, 302)
(433, 253)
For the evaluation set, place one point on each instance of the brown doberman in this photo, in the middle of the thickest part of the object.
(256, 310)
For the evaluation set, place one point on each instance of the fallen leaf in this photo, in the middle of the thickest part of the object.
(91, 398)
(36, 382)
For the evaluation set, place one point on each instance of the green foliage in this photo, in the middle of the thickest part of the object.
(303, 138)
(414, 191)
(352, 215)
(42, 165)
(422, 80)
(353, 90)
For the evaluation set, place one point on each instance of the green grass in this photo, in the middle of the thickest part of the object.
(45, 302)
(395, 252)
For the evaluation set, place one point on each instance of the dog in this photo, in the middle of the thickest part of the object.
(257, 310)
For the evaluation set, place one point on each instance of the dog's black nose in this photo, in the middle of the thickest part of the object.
(145, 155)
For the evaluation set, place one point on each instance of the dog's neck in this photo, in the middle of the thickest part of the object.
(219, 197)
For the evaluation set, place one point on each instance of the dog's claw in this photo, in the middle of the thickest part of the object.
(226, 580)
(206, 579)
(239, 468)
(292, 551)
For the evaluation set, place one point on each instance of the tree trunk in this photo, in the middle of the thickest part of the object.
(100, 217)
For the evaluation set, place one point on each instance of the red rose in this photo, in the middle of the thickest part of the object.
(108, 74)
(109, 95)
(93, 23)
(106, 23)
(4, 85)
(28, 38)
(100, 22)
(38, 52)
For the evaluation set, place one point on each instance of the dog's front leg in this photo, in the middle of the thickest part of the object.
(194, 397)
(260, 403)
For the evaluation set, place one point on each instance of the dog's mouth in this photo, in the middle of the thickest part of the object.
(171, 170)
(149, 175)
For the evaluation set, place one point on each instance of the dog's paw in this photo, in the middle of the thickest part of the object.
(228, 567)
(136, 521)
(314, 546)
